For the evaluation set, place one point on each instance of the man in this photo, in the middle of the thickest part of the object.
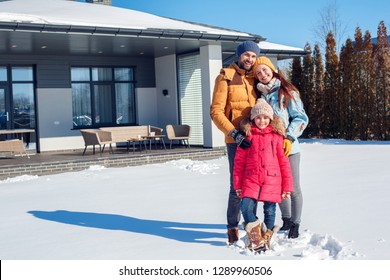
(233, 98)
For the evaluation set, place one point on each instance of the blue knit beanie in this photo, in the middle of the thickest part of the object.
(247, 46)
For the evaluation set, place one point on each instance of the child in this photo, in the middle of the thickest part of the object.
(262, 173)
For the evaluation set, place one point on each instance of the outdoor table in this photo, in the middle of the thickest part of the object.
(141, 140)
(155, 138)
(20, 131)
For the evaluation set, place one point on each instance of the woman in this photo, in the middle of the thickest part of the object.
(285, 101)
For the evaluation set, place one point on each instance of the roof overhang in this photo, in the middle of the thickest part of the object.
(127, 32)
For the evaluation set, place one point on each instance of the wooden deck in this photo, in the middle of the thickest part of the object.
(12, 165)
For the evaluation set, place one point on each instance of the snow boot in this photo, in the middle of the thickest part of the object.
(294, 231)
(232, 235)
(263, 229)
(256, 241)
(268, 235)
(286, 224)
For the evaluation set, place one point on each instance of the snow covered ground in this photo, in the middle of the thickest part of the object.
(175, 213)
(176, 210)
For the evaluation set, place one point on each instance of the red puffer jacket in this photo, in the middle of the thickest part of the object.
(262, 171)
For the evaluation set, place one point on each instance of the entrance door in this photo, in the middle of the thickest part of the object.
(17, 102)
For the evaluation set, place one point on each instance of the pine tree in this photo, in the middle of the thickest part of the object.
(296, 73)
(331, 81)
(382, 83)
(307, 91)
(368, 88)
(363, 86)
(358, 86)
(318, 98)
(347, 75)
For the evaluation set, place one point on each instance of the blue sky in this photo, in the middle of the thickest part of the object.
(285, 22)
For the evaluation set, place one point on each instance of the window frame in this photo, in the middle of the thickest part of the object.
(112, 84)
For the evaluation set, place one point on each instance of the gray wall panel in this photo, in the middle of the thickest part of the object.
(53, 71)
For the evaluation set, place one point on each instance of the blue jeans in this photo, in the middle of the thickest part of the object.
(248, 210)
(269, 210)
(248, 206)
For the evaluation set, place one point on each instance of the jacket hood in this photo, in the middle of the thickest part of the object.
(276, 125)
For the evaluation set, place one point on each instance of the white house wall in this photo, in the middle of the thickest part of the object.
(146, 106)
(166, 79)
(55, 120)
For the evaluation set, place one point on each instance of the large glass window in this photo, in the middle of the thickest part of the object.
(17, 101)
(3, 74)
(103, 96)
(23, 97)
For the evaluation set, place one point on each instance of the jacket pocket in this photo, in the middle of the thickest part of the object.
(273, 172)
(274, 177)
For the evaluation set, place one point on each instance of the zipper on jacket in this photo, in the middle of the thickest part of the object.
(272, 147)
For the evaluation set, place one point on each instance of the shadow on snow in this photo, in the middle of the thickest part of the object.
(183, 232)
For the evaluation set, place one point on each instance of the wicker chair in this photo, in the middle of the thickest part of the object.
(179, 133)
(14, 145)
(96, 137)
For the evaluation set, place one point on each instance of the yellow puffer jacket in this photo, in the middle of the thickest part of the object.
(233, 98)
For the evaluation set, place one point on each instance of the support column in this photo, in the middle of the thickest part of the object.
(211, 64)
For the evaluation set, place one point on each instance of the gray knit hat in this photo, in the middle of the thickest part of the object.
(262, 108)
(248, 46)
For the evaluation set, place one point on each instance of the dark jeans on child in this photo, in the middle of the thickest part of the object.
(248, 210)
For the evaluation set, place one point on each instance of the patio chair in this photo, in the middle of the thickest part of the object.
(98, 137)
(180, 133)
(13, 145)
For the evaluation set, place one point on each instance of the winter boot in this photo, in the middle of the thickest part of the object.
(268, 235)
(232, 235)
(286, 224)
(263, 228)
(256, 241)
(294, 231)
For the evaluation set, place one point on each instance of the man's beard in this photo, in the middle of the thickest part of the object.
(241, 64)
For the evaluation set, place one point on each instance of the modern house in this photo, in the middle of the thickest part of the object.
(66, 65)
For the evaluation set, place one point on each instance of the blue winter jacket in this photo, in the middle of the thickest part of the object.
(294, 116)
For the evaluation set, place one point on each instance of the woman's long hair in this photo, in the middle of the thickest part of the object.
(286, 90)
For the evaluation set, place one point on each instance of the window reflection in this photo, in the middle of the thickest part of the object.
(100, 99)
(3, 74)
(123, 74)
(81, 105)
(101, 74)
(103, 105)
(23, 109)
(124, 103)
(79, 74)
(22, 74)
